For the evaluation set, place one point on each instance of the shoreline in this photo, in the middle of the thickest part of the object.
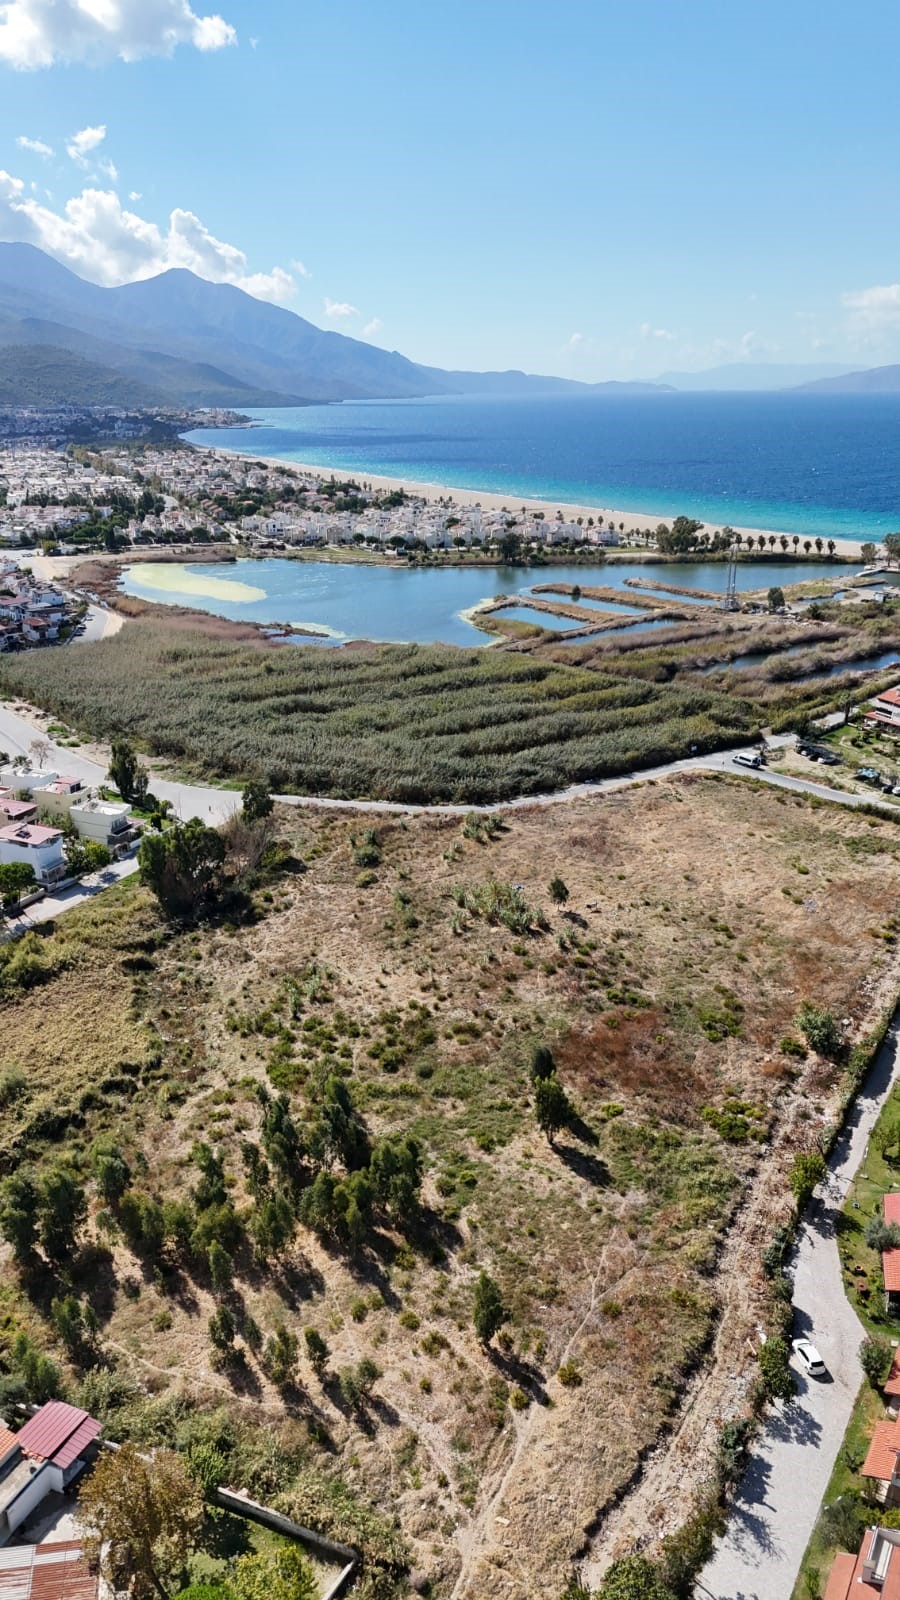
(490, 500)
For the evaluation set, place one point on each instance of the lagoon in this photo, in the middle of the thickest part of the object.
(401, 604)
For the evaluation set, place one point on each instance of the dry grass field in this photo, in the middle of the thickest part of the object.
(701, 913)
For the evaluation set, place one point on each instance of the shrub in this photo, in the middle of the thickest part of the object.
(774, 1369)
(881, 1235)
(569, 1375)
(875, 1356)
(808, 1170)
(820, 1030)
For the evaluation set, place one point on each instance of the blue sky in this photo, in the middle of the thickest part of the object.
(597, 189)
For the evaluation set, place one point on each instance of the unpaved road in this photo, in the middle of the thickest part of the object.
(779, 1498)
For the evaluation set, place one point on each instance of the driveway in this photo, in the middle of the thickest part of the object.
(775, 1510)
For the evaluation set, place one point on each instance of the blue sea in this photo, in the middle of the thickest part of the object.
(817, 465)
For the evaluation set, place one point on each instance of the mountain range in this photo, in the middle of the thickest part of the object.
(178, 340)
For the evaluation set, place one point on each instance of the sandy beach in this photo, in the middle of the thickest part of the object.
(627, 521)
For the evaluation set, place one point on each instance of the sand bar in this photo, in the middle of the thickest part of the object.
(173, 578)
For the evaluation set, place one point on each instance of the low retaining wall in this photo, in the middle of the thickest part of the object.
(336, 1554)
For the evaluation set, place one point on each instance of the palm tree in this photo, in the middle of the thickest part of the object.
(796, 542)
(771, 541)
(831, 547)
(784, 544)
(807, 545)
(819, 546)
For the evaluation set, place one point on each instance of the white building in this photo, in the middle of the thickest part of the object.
(37, 847)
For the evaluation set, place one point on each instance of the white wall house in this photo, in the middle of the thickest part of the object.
(103, 821)
(39, 848)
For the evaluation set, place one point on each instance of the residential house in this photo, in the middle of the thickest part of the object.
(874, 1574)
(890, 1259)
(885, 712)
(45, 1455)
(38, 847)
(25, 782)
(105, 822)
(55, 1571)
(58, 797)
(15, 810)
(881, 1463)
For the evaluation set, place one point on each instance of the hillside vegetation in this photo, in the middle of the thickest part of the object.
(392, 985)
(44, 375)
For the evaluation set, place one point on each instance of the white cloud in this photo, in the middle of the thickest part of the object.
(37, 33)
(336, 309)
(36, 146)
(576, 341)
(102, 240)
(135, 195)
(110, 171)
(300, 269)
(875, 309)
(79, 147)
(373, 327)
(647, 331)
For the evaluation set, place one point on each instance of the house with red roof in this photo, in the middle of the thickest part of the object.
(885, 712)
(874, 1574)
(883, 1461)
(890, 1258)
(45, 1455)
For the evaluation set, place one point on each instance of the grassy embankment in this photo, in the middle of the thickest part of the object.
(665, 987)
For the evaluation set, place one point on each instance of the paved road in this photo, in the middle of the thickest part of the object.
(776, 1508)
(188, 800)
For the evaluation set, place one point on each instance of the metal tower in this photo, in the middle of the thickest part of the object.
(731, 601)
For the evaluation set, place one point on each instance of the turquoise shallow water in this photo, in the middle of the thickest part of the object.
(421, 605)
(817, 465)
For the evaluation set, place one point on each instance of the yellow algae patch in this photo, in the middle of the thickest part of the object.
(172, 578)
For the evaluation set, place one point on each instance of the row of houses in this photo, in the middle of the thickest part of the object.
(29, 800)
(873, 1573)
(31, 612)
(436, 526)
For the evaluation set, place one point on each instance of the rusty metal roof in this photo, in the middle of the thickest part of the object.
(46, 1572)
(58, 1433)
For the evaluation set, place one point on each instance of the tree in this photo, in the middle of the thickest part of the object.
(316, 1350)
(220, 1271)
(558, 892)
(111, 1170)
(808, 1169)
(875, 1357)
(395, 1173)
(256, 802)
(221, 1328)
(183, 867)
(634, 1578)
(775, 598)
(84, 856)
(542, 1063)
(76, 1323)
(16, 878)
(280, 1357)
(142, 1517)
(63, 1211)
(488, 1311)
(123, 767)
(551, 1105)
(19, 1207)
(39, 750)
(774, 1370)
(339, 1133)
(869, 554)
(284, 1575)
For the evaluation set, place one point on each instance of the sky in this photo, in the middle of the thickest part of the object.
(589, 188)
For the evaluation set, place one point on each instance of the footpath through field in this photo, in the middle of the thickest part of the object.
(778, 1502)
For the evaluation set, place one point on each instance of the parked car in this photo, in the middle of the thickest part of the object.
(746, 758)
(809, 1358)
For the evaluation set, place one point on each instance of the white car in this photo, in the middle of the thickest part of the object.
(745, 759)
(809, 1358)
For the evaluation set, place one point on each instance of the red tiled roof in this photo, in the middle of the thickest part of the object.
(891, 1204)
(841, 1577)
(845, 1581)
(47, 1572)
(28, 833)
(7, 1440)
(892, 696)
(882, 1458)
(58, 1433)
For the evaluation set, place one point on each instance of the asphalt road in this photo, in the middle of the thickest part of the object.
(53, 905)
(188, 800)
(775, 1510)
